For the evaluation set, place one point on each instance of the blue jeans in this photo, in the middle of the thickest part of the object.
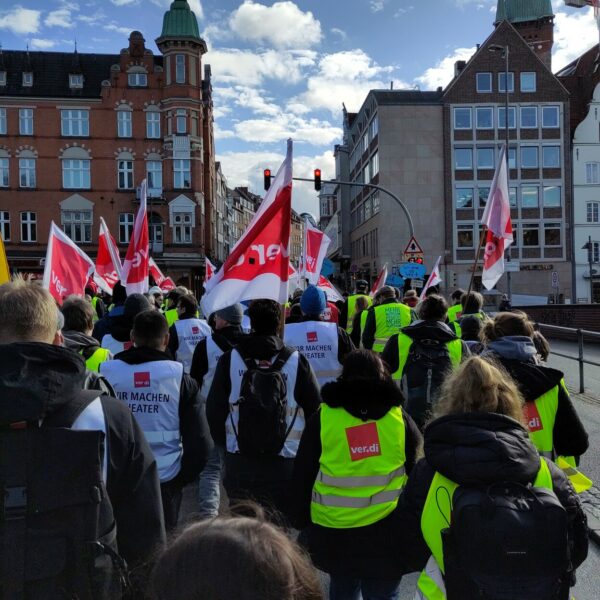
(345, 588)
(209, 486)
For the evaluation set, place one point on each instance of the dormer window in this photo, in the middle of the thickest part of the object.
(27, 79)
(2, 77)
(75, 81)
(137, 79)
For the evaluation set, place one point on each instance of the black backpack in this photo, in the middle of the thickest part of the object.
(507, 541)
(262, 407)
(426, 367)
(57, 530)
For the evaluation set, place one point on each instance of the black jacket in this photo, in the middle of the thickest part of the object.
(569, 435)
(225, 338)
(105, 325)
(46, 378)
(419, 330)
(478, 448)
(195, 437)
(363, 551)
(262, 347)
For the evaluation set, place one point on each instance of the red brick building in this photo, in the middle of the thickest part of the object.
(79, 132)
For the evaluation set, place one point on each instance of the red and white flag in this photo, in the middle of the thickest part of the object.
(333, 295)
(496, 217)
(294, 281)
(155, 271)
(135, 266)
(380, 281)
(167, 285)
(209, 268)
(314, 251)
(67, 267)
(433, 279)
(258, 266)
(108, 262)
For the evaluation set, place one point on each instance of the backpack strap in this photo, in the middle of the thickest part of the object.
(68, 415)
(284, 355)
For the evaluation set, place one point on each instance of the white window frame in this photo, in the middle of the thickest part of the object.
(26, 121)
(465, 227)
(75, 123)
(546, 188)
(531, 89)
(3, 121)
(556, 110)
(181, 121)
(457, 109)
(537, 188)
(179, 170)
(525, 109)
(182, 227)
(27, 172)
(124, 123)
(487, 165)
(126, 221)
(530, 227)
(125, 174)
(4, 172)
(77, 224)
(154, 167)
(512, 111)
(544, 149)
(481, 89)
(537, 154)
(5, 225)
(137, 80)
(553, 226)
(481, 109)
(511, 82)
(374, 164)
(457, 195)
(512, 163)
(76, 170)
(592, 212)
(75, 81)
(27, 79)
(153, 124)
(592, 173)
(28, 221)
(456, 167)
(180, 68)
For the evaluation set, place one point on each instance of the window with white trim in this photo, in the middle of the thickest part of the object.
(374, 164)
(529, 117)
(552, 196)
(484, 82)
(75, 81)
(182, 227)
(464, 197)
(551, 157)
(181, 121)
(27, 80)
(137, 79)
(528, 82)
(463, 158)
(464, 236)
(462, 118)
(125, 227)
(27, 172)
(3, 123)
(76, 173)
(530, 196)
(512, 117)
(592, 172)
(484, 117)
(595, 252)
(531, 234)
(75, 123)
(179, 68)
(484, 194)
(552, 234)
(124, 123)
(153, 124)
(77, 224)
(182, 177)
(374, 127)
(529, 157)
(5, 225)
(154, 175)
(512, 158)
(4, 172)
(485, 158)
(593, 212)
(125, 174)
(28, 227)
(502, 82)
(550, 117)
(26, 121)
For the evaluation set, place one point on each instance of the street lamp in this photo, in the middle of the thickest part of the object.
(590, 248)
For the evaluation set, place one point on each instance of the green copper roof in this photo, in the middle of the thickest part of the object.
(518, 11)
(180, 21)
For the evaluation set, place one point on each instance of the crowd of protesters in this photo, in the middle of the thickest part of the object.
(372, 428)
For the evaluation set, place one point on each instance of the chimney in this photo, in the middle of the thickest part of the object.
(459, 67)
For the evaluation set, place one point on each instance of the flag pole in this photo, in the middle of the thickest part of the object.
(481, 240)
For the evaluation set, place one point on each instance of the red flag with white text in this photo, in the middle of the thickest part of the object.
(496, 217)
(108, 263)
(135, 266)
(314, 251)
(67, 267)
(258, 265)
(332, 293)
(380, 281)
(167, 284)
(209, 269)
(433, 279)
(155, 271)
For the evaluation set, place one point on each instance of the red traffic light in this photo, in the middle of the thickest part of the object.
(419, 260)
(267, 178)
(317, 174)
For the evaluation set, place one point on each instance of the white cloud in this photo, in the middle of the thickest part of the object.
(61, 17)
(92, 19)
(574, 33)
(403, 10)
(282, 25)
(443, 72)
(20, 20)
(195, 5)
(124, 2)
(377, 5)
(339, 32)
(41, 44)
(117, 28)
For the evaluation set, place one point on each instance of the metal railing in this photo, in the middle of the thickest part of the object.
(580, 335)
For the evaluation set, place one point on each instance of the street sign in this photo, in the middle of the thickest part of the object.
(554, 279)
(413, 247)
(417, 283)
(394, 280)
(413, 270)
(512, 266)
(327, 268)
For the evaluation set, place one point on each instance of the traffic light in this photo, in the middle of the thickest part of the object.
(317, 174)
(419, 260)
(267, 175)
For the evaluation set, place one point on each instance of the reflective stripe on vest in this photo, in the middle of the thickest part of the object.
(361, 468)
(189, 334)
(100, 355)
(94, 303)
(213, 354)
(152, 390)
(290, 373)
(318, 342)
(389, 319)
(352, 309)
(540, 416)
(437, 515)
(404, 344)
(114, 346)
(171, 316)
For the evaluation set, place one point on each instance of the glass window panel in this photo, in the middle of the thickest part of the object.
(529, 157)
(529, 117)
(552, 234)
(484, 82)
(512, 158)
(153, 124)
(463, 158)
(2, 121)
(531, 235)
(528, 83)
(462, 118)
(552, 196)
(464, 198)
(485, 158)
(512, 117)
(593, 212)
(513, 196)
(551, 157)
(464, 236)
(179, 68)
(550, 116)
(529, 196)
(483, 193)
(502, 82)
(485, 117)
(592, 172)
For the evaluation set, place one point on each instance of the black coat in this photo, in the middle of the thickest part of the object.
(364, 552)
(478, 448)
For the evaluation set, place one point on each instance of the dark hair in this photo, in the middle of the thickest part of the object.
(433, 308)
(472, 302)
(188, 303)
(507, 323)
(119, 293)
(237, 558)
(265, 316)
(541, 345)
(149, 328)
(363, 364)
(78, 314)
(471, 327)
(176, 293)
(457, 294)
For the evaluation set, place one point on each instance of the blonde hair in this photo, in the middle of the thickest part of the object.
(479, 385)
(507, 323)
(28, 313)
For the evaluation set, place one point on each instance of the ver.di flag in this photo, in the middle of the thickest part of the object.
(380, 281)
(166, 284)
(333, 295)
(67, 267)
(314, 251)
(135, 266)
(496, 217)
(258, 266)
(433, 279)
(108, 262)
(209, 269)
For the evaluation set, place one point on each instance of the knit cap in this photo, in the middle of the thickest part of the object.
(313, 301)
(232, 314)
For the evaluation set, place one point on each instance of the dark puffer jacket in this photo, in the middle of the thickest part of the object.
(478, 449)
(362, 552)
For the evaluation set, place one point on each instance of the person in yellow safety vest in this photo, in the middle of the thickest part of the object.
(476, 439)
(359, 320)
(172, 298)
(385, 318)
(351, 467)
(349, 309)
(78, 315)
(472, 305)
(422, 354)
(455, 309)
(554, 425)
(91, 289)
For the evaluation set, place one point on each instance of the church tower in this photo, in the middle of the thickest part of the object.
(534, 20)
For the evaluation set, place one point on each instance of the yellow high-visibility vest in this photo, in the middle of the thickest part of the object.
(389, 319)
(352, 309)
(95, 360)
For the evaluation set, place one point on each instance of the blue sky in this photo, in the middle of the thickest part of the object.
(283, 69)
